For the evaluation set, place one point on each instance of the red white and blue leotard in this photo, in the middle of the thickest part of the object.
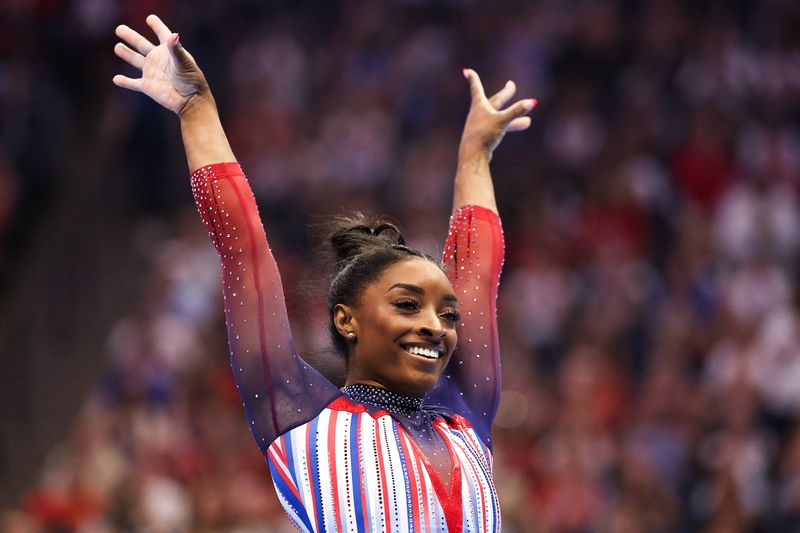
(361, 459)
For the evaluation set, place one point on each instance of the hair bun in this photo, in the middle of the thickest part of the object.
(355, 234)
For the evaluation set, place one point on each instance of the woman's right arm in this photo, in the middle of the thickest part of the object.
(279, 389)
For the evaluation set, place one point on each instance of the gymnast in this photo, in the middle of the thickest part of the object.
(405, 445)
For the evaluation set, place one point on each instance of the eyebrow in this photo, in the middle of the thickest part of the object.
(419, 290)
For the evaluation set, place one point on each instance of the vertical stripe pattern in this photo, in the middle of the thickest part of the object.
(351, 471)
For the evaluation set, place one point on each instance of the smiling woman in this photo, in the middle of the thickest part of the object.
(405, 444)
(404, 332)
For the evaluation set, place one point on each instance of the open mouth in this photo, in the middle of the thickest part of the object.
(432, 353)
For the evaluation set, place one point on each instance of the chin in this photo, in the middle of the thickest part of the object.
(421, 385)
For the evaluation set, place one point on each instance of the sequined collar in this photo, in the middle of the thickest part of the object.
(391, 402)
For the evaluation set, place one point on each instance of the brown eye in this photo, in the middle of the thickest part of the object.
(452, 315)
(407, 305)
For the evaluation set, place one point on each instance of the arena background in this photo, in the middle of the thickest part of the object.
(649, 305)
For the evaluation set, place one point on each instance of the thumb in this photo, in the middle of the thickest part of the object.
(179, 53)
(475, 85)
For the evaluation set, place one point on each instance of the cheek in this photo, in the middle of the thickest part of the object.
(452, 340)
(389, 327)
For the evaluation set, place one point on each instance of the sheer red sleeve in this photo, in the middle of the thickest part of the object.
(473, 260)
(279, 389)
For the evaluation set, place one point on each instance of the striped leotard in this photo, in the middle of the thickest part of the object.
(361, 458)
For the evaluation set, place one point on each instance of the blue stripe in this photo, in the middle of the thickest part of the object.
(355, 474)
(404, 464)
(314, 481)
(294, 504)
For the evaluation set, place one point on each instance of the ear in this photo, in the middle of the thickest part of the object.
(345, 321)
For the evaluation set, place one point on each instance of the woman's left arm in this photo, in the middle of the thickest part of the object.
(473, 257)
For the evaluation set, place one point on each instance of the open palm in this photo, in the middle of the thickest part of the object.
(488, 119)
(170, 75)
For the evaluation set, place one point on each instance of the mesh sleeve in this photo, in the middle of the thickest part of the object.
(278, 388)
(473, 260)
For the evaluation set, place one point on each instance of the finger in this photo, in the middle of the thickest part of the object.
(501, 97)
(133, 58)
(519, 124)
(134, 39)
(518, 109)
(133, 84)
(160, 29)
(475, 85)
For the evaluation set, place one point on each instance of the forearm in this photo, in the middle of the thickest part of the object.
(204, 139)
(473, 181)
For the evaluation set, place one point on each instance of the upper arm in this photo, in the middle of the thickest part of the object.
(278, 388)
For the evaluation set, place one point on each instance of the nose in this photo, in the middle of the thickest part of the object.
(434, 332)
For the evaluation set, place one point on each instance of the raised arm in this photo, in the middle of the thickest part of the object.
(486, 125)
(278, 388)
(473, 257)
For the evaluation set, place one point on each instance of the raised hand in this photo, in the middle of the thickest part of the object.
(487, 121)
(170, 75)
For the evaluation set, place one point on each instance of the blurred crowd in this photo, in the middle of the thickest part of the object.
(650, 304)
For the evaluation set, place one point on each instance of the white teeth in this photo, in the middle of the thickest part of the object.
(425, 352)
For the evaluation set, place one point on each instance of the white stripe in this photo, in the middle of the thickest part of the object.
(278, 463)
(343, 466)
(478, 460)
(298, 438)
(323, 465)
(414, 473)
(398, 505)
(369, 472)
(470, 491)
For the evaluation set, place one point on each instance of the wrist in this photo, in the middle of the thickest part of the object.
(471, 153)
(199, 108)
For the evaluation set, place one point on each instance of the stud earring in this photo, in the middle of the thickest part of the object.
(351, 335)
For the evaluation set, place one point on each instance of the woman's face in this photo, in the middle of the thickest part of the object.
(405, 328)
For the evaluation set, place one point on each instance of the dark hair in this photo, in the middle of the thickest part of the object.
(363, 249)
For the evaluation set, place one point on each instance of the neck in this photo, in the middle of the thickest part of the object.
(392, 402)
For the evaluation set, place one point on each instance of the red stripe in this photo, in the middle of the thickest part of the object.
(480, 450)
(451, 503)
(287, 480)
(281, 448)
(426, 504)
(343, 404)
(332, 467)
(411, 477)
(382, 476)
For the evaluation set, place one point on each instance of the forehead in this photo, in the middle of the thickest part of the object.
(415, 271)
